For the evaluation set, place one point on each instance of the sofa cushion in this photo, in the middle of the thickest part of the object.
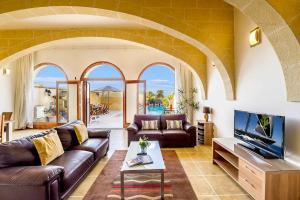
(175, 135)
(150, 134)
(174, 124)
(75, 164)
(81, 133)
(48, 147)
(164, 119)
(149, 124)
(21, 152)
(98, 146)
(67, 135)
(138, 119)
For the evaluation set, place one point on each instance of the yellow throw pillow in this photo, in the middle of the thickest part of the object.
(81, 133)
(48, 147)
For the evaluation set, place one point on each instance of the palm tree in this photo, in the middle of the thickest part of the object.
(150, 97)
(160, 94)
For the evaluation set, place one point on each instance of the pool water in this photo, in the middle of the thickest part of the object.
(155, 110)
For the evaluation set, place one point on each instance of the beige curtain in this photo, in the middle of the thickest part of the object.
(24, 72)
(184, 81)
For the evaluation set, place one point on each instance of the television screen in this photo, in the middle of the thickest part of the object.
(265, 132)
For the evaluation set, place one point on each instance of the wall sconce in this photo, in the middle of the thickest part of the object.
(255, 37)
(6, 71)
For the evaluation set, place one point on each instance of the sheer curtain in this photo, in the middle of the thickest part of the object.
(24, 72)
(184, 81)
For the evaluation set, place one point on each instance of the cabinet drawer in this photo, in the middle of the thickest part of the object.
(253, 186)
(250, 171)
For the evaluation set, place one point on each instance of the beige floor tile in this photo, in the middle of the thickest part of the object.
(224, 185)
(75, 198)
(200, 186)
(208, 197)
(198, 156)
(207, 168)
(84, 186)
(190, 169)
(183, 156)
(236, 197)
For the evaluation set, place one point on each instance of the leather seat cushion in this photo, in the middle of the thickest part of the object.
(150, 134)
(75, 163)
(98, 146)
(175, 135)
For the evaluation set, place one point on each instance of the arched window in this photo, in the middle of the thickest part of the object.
(105, 94)
(46, 77)
(160, 86)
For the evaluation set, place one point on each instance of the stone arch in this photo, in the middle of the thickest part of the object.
(281, 36)
(188, 54)
(164, 16)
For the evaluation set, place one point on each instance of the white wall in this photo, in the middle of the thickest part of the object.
(6, 92)
(260, 87)
(130, 60)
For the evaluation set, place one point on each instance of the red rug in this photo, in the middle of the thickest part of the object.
(142, 186)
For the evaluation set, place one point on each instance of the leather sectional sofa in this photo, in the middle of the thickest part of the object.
(166, 138)
(22, 177)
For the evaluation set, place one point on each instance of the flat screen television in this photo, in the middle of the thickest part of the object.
(261, 133)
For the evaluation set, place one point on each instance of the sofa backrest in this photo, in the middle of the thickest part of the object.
(164, 119)
(67, 135)
(21, 152)
(138, 119)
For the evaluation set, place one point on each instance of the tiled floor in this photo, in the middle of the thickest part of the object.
(208, 180)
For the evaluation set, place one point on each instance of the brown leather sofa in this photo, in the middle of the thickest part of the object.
(166, 138)
(22, 177)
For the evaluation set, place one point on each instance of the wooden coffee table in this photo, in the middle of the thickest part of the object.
(158, 165)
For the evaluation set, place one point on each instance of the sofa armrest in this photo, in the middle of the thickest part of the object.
(189, 128)
(98, 133)
(30, 175)
(133, 128)
(31, 182)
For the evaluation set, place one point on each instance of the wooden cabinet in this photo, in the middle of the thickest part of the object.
(263, 179)
(205, 132)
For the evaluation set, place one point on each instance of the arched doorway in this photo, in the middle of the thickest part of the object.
(103, 95)
(160, 90)
(47, 75)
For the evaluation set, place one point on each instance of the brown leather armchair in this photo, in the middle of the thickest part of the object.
(167, 138)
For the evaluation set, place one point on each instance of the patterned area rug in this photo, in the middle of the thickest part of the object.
(142, 186)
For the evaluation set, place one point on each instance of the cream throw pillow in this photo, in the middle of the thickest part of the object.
(174, 125)
(150, 125)
(81, 132)
(48, 147)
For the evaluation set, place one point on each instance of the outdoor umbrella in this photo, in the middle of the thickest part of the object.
(108, 89)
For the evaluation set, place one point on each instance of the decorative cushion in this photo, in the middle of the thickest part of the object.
(81, 133)
(48, 147)
(150, 125)
(174, 125)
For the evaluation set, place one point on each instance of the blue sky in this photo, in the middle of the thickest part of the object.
(158, 77)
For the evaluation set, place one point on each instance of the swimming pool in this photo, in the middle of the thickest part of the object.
(155, 110)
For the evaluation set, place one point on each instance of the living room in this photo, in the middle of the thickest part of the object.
(238, 56)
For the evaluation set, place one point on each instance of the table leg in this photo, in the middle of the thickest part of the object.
(162, 185)
(9, 129)
(122, 186)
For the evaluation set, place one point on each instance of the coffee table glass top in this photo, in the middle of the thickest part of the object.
(153, 150)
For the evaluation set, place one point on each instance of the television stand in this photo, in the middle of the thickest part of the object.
(263, 179)
(258, 151)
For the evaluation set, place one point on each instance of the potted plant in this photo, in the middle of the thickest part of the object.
(144, 143)
(185, 103)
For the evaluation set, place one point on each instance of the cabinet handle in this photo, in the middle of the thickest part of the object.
(250, 183)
